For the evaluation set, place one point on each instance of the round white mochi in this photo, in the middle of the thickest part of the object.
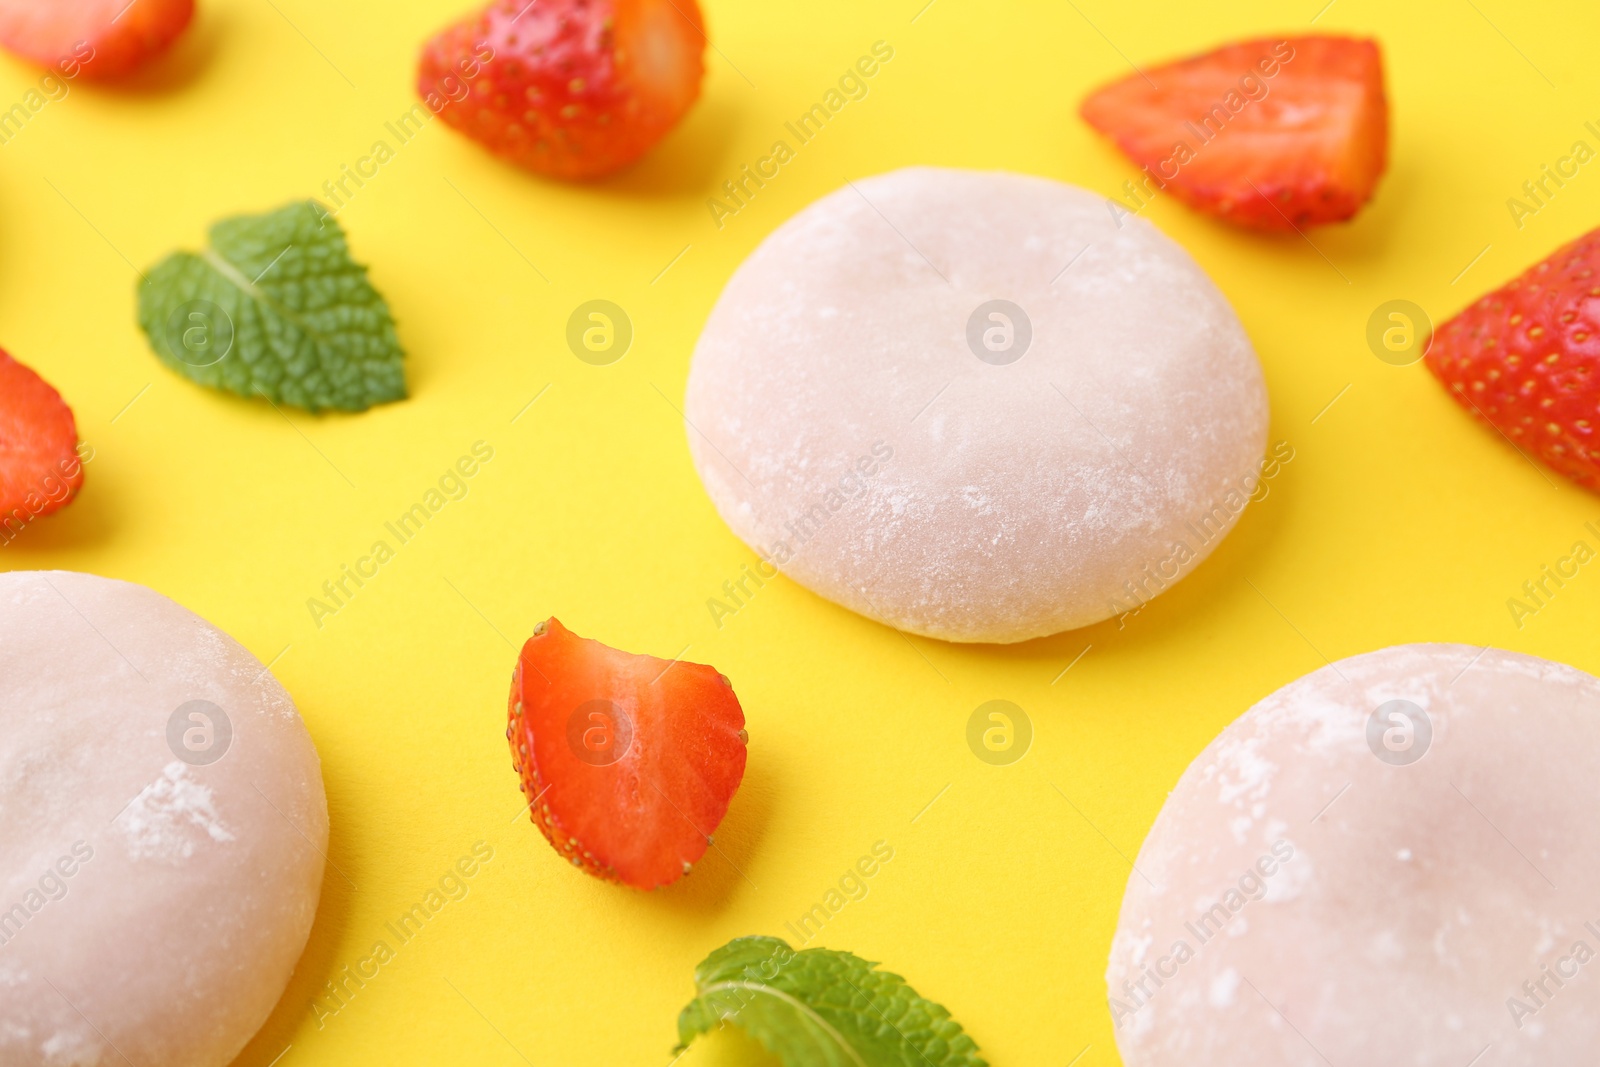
(1327, 886)
(868, 421)
(154, 896)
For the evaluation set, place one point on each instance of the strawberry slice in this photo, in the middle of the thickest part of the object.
(40, 471)
(627, 762)
(1526, 359)
(1272, 134)
(92, 38)
(570, 88)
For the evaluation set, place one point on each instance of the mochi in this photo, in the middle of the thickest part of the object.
(975, 406)
(162, 830)
(1392, 860)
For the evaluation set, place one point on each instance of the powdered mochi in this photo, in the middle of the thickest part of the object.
(975, 406)
(1393, 861)
(162, 830)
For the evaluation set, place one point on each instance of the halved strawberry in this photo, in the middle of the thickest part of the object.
(627, 762)
(92, 38)
(568, 88)
(1273, 134)
(1526, 359)
(39, 466)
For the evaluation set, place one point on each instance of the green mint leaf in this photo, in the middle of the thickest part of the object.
(821, 1008)
(276, 307)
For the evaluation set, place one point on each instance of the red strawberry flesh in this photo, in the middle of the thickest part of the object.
(40, 471)
(1275, 134)
(628, 762)
(574, 89)
(1526, 359)
(96, 39)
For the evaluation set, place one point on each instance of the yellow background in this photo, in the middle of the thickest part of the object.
(1398, 519)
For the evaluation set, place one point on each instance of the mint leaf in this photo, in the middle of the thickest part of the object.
(275, 307)
(821, 1008)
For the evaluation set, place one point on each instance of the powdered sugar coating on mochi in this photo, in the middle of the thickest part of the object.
(152, 909)
(1301, 901)
(845, 429)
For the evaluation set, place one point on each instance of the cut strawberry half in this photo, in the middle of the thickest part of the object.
(627, 762)
(1273, 134)
(92, 38)
(40, 471)
(1526, 359)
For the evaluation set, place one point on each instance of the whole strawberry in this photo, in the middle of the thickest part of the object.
(1526, 359)
(569, 88)
(92, 38)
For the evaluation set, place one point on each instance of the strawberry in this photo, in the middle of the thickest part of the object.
(92, 38)
(1526, 359)
(569, 88)
(1273, 134)
(40, 471)
(627, 762)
